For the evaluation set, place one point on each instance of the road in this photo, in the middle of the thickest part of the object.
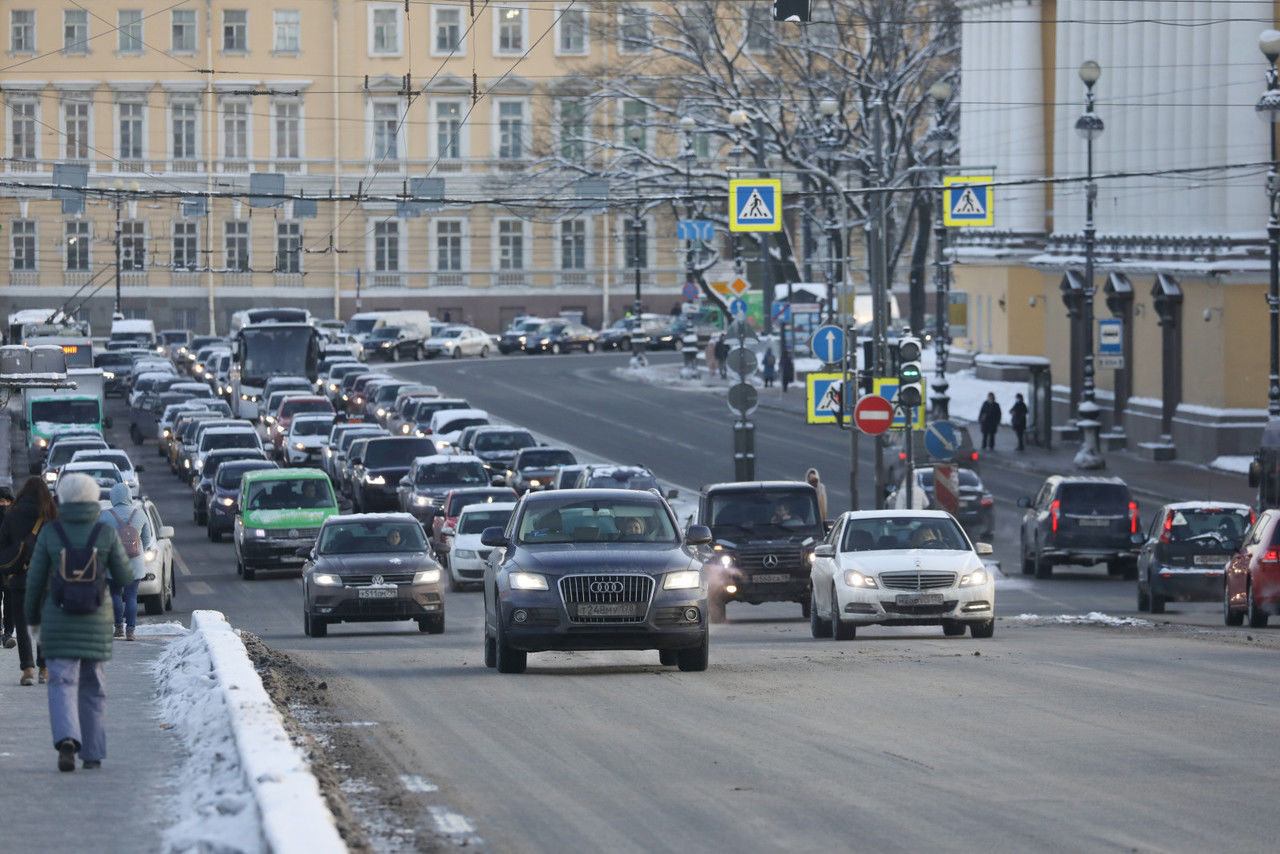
(1046, 737)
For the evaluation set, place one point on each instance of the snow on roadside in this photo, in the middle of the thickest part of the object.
(1093, 618)
(168, 628)
(1232, 464)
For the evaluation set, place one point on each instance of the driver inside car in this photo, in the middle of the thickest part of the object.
(925, 537)
(630, 527)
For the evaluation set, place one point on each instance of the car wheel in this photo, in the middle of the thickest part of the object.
(154, 604)
(1144, 598)
(1114, 567)
(818, 627)
(484, 352)
(952, 629)
(806, 607)
(591, 347)
(983, 630)
(715, 609)
(1154, 599)
(395, 354)
(455, 586)
(840, 630)
(1129, 568)
(215, 536)
(508, 660)
(171, 591)
(624, 344)
(239, 564)
(555, 349)
(135, 434)
(694, 660)
(457, 352)
(250, 573)
(432, 625)
(306, 622)
(319, 627)
(490, 651)
(667, 657)
(1229, 617)
(1043, 568)
(1257, 619)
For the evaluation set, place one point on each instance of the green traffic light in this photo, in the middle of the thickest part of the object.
(909, 373)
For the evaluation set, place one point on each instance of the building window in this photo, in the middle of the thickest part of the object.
(289, 247)
(635, 115)
(571, 31)
(573, 130)
(448, 30)
(386, 127)
(76, 245)
(449, 130)
(184, 318)
(386, 246)
(236, 245)
(573, 244)
(510, 130)
(183, 116)
(235, 31)
(288, 130)
(235, 133)
(511, 23)
(131, 134)
(510, 244)
(129, 29)
(759, 28)
(75, 31)
(449, 245)
(22, 31)
(634, 31)
(24, 245)
(184, 31)
(384, 31)
(133, 245)
(635, 248)
(288, 28)
(22, 130)
(75, 130)
(186, 236)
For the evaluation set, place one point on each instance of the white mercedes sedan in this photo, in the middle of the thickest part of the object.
(900, 568)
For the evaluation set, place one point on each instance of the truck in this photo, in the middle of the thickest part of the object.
(133, 333)
(263, 350)
(48, 413)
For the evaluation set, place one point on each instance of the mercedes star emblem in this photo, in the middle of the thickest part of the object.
(770, 561)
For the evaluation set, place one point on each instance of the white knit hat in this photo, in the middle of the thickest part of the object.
(77, 487)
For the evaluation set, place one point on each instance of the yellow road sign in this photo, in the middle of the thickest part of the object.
(968, 201)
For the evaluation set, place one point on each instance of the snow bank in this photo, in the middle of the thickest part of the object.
(159, 630)
(1093, 618)
(1235, 465)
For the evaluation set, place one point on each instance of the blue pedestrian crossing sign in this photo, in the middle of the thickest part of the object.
(755, 204)
(967, 201)
(827, 344)
(738, 307)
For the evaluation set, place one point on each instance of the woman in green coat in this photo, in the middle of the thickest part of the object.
(76, 646)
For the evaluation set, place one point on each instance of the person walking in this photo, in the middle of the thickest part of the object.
(989, 421)
(6, 602)
(32, 509)
(770, 369)
(134, 530)
(78, 644)
(722, 354)
(1018, 419)
(811, 476)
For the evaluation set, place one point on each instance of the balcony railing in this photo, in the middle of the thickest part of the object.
(24, 278)
(387, 280)
(511, 279)
(288, 280)
(448, 280)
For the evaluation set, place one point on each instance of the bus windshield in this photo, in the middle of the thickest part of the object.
(271, 350)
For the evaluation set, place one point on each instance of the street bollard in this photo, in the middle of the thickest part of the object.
(689, 370)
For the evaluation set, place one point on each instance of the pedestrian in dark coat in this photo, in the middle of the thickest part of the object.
(989, 421)
(769, 371)
(33, 506)
(722, 353)
(7, 602)
(1018, 419)
(78, 645)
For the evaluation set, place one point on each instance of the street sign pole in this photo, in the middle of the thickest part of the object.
(743, 399)
(850, 370)
(910, 417)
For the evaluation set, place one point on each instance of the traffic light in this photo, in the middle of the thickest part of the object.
(910, 386)
(791, 10)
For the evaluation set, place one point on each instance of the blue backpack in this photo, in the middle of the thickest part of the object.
(80, 582)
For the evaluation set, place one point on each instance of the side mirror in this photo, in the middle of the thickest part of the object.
(673, 494)
(404, 481)
(1255, 472)
(697, 535)
(139, 469)
(355, 461)
(498, 480)
(493, 537)
(304, 551)
(1024, 502)
(825, 550)
(166, 532)
(106, 421)
(983, 548)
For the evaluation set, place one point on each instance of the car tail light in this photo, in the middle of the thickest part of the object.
(1053, 514)
(1168, 526)
(902, 455)
(988, 501)
(1272, 557)
(974, 456)
(1133, 517)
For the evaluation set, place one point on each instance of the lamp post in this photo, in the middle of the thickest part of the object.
(940, 139)
(636, 134)
(1090, 127)
(688, 157)
(1268, 109)
(832, 138)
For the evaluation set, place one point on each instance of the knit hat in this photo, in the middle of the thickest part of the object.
(77, 487)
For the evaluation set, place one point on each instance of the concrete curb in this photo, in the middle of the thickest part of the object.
(295, 819)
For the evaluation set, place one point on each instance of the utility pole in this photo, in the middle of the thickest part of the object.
(879, 287)
(115, 312)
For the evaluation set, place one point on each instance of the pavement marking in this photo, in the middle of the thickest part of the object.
(182, 564)
(418, 785)
(450, 822)
(200, 588)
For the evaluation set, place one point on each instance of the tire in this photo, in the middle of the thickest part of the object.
(1229, 617)
(171, 591)
(215, 536)
(457, 352)
(806, 608)
(982, 631)
(490, 651)
(952, 629)
(432, 625)
(667, 657)
(715, 609)
(395, 354)
(1043, 569)
(1129, 569)
(153, 604)
(484, 352)
(1154, 599)
(306, 622)
(1115, 567)
(555, 349)
(508, 660)
(1144, 598)
(818, 627)
(319, 627)
(454, 585)
(421, 354)
(624, 344)
(1028, 564)
(1257, 619)
(694, 660)
(239, 565)
(135, 434)
(250, 573)
(840, 630)
(591, 347)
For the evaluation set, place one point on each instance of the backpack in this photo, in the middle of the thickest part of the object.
(79, 584)
(17, 565)
(130, 536)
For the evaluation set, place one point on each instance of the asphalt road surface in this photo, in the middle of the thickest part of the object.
(1046, 737)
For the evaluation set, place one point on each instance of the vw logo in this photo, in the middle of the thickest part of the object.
(377, 579)
(293, 532)
(606, 587)
(770, 561)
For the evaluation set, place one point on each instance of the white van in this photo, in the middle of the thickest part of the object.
(418, 321)
(139, 333)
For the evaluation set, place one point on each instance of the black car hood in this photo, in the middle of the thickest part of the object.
(572, 558)
(392, 473)
(496, 456)
(436, 491)
(374, 563)
(539, 473)
(734, 537)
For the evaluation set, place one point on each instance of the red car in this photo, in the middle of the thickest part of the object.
(1252, 586)
(447, 514)
(293, 406)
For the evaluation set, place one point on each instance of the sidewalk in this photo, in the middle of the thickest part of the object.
(121, 807)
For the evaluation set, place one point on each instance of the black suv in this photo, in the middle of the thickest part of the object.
(764, 533)
(1080, 520)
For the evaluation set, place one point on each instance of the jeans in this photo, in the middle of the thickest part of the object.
(77, 703)
(20, 630)
(8, 601)
(124, 602)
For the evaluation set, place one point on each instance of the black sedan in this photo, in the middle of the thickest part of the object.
(376, 475)
(1186, 552)
(594, 569)
(535, 468)
(561, 336)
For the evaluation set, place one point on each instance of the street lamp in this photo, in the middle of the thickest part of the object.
(939, 139)
(737, 118)
(636, 133)
(831, 140)
(688, 157)
(1090, 127)
(1268, 109)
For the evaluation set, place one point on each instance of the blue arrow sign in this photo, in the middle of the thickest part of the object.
(942, 440)
(695, 229)
(738, 307)
(827, 344)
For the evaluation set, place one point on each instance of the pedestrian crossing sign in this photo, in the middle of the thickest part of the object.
(755, 204)
(822, 398)
(967, 201)
(887, 387)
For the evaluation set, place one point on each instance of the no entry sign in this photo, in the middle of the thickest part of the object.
(873, 414)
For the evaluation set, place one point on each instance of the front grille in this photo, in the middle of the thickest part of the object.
(635, 590)
(387, 578)
(917, 580)
(790, 558)
(919, 610)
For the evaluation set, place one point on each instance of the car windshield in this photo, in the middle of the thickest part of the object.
(312, 427)
(1208, 526)
(459, 501)
(425, 409)
(887, 533)
(606, 520)
(63, 451)
(361, 325)
(292, 407)
(385, 333)
(967, 477)
(475, 521)
(546, 459)
(64, 411)
(527, 327)
(451, 333)
(622, 479)
(789, 510)
(1108, 498)
(455, 424)
(119, 460)
(550, 328)
(392, 452)
(292, 494)
(100, 473)
(440, 474)
(352, 436)
(111, 360)
(374, 536)
(505, 441)
(238, 439)
(229, 476)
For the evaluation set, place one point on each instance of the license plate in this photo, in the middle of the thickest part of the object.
(608, 609)
(1210, 560)
(918, 599)
(775, 578)
(1093, 523)
(377, 593)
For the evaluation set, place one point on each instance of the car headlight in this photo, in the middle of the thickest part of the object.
(167, 433)
(421, 500)
(812, 558)
(108, 375)
(535, 482)
(259, 532)
(150, 554)
(326, 579)
(426, 576)
(973, 579)
(528, 581)
(375, 480)
(244, 397)
(465, 554)
(726, 560)
(853, 578)
(50, 476)
(686, 579)
(442, 445)
(42, 443)
(299, 446)
(333, 386)
(404, 428)
(381, 412)
(199, 465)
(227, 502)
(386, 343)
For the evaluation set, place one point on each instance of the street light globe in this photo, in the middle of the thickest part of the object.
(940, 91)
(738, 117)
(1269, 44)
(1090, 71)
(828, 106)
(687, 123)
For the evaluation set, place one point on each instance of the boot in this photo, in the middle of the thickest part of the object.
(128, 634)
(119, 633)
(28, 676)
(66, 755)
(44, 675)
(9, 641)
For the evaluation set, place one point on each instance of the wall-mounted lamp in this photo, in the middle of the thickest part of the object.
(1032, 302)
(1208, 313)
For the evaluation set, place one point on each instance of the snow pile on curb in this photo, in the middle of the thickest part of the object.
(1232, 464)
(1093, 618)
(669, 376)
(160, 630)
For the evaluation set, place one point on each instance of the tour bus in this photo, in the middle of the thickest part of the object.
(266, 349)
(252, 316)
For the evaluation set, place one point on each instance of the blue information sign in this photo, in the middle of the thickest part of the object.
(942, 440)
(781, 312)
(827, 344)
(738, 307)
